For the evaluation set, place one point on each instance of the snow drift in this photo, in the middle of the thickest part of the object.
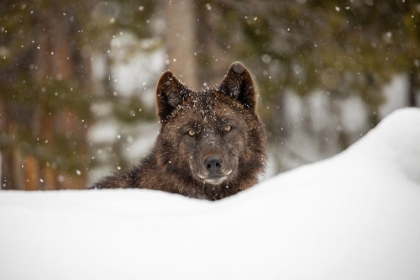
(354, 216)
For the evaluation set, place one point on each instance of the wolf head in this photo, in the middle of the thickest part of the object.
(211, 139)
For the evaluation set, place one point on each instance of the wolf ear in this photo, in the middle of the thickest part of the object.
(169, 94)
(238, 84)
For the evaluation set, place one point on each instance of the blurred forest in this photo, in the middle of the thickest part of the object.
(77, 78)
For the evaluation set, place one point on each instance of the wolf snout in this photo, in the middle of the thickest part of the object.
(213, 164)
(214, 170)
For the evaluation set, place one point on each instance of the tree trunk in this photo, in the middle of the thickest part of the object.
(6, 181)
(180, 16)
(213, 59)
(413, 85)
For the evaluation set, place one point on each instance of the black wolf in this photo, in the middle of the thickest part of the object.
(211, 143)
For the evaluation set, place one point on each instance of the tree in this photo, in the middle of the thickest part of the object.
(44, 78)
(336, 48)
(180, 39)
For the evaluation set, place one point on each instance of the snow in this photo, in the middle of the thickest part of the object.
(353, 216)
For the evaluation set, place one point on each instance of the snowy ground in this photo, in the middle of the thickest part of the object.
(354, 216)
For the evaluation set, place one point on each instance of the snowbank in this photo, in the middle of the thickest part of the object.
(354, 216)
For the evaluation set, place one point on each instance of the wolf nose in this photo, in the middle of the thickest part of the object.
(213, 164)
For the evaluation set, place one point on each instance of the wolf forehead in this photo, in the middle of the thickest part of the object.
(236, 90)
(208, 106)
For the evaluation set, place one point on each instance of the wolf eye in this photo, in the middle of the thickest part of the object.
(227, 128)
(191, 132)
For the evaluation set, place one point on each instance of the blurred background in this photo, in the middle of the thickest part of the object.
(77, 78)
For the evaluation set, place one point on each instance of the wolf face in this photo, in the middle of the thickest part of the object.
(209, 133)
(211, 143)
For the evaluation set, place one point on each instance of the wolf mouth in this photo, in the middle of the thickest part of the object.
(215, 179)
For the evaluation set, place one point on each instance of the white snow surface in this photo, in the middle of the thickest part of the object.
(353, 216)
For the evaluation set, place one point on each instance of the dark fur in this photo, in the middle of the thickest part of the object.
(184, 164)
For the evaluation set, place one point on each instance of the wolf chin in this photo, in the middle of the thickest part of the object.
(211, 143)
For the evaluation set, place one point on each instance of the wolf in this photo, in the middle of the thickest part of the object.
(211, 143)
